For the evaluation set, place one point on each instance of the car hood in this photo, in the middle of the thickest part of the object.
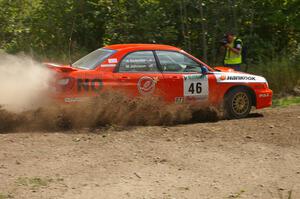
(223, 69)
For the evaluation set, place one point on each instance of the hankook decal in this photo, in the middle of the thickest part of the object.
(238, 78)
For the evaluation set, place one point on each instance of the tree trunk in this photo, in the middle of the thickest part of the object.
(182, 23)
(203, 34)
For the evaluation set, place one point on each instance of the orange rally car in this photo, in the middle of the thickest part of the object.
(151, 69)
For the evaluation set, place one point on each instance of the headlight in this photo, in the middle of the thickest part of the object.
(267, 84)
(65, 83)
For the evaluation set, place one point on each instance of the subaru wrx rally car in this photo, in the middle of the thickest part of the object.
(165, 71)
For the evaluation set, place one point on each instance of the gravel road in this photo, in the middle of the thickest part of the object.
(257, 157)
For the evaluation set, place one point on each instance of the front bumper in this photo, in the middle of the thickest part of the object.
(263, 98)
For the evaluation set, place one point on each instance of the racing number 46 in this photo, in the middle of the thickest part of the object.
(195, 88)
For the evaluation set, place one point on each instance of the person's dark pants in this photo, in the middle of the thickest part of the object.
(236, 67)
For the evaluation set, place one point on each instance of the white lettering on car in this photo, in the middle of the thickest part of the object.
(264, 95)
(179, 100)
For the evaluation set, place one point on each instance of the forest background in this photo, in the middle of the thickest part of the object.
(270, 30)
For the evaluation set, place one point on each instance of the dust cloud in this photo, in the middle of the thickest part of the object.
(22, 82)
(107, 110)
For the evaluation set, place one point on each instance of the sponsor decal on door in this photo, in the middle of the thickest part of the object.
(146, 85)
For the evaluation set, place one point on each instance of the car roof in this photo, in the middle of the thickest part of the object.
(121, 47)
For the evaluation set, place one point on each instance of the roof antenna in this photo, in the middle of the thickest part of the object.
(70, 41)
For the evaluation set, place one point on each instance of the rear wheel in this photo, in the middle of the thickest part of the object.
(237, 103)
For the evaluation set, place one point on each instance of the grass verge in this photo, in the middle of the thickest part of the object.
(287, 101)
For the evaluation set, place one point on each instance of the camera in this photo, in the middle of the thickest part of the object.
(223, 41)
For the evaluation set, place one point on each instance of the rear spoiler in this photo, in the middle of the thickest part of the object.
(60, 68)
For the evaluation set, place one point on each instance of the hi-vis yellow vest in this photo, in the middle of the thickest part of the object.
(231, 57)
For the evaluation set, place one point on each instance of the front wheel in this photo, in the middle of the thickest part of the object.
(237, 103)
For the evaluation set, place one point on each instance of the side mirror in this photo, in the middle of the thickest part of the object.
(204, 70)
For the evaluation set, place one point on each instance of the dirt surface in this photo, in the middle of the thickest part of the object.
(257, 157)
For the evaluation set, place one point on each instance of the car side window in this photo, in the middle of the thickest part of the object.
(139, 61)
(171, 61)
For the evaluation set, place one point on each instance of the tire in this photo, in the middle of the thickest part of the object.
(237, 103)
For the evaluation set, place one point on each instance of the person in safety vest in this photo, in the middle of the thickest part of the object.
(233, 51)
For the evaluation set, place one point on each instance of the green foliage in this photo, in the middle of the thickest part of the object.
(5, 196)
(282, 75)
(2, 196)
(286, 101)
(33, 183)
(43, 28)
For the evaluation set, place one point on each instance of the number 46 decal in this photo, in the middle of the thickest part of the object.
(195, 85)
(195, 88)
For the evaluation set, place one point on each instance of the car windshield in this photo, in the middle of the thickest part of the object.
(93, 59)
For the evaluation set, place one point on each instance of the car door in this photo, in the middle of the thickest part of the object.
(138, 74)
(183, 77)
